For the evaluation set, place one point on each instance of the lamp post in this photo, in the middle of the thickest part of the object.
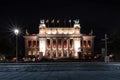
(16, 31)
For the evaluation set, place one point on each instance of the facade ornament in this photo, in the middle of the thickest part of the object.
(27, 32)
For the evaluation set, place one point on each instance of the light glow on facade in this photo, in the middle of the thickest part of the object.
(56, 43)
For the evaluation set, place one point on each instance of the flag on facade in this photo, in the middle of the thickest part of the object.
(47, 21)
(69, 21)
(53, 21)
(58, 21)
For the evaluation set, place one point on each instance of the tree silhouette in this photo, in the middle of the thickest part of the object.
(7, 47)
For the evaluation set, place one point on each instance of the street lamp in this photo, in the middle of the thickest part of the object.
(16, 31)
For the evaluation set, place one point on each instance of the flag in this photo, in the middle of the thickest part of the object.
(58, 21)
(52, 21)
(47, 21)
(69, 21)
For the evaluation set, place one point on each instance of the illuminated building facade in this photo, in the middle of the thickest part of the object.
(59, 42)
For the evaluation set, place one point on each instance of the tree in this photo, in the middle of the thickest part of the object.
(114, 46)
(7, 47)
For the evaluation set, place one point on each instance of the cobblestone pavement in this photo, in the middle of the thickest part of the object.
(61, 75)
(60, 71)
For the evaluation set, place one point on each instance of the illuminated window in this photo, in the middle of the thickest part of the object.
(48, 43)
(84, 44)
(59, 43)
(34, 52)
(29, 53)
(89, 43)
(71, 43)
(34, 43)
(29, 43)
(54, 43)
(65, 43)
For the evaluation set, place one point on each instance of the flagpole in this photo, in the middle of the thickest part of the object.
(59, 24)
(70, 22)
(65, 23)
(54, 23)
(47, 21)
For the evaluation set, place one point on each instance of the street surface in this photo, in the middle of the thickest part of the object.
(60, 71)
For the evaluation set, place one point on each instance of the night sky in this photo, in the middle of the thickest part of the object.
(103, 16)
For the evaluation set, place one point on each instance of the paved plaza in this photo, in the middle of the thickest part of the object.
(60, 71)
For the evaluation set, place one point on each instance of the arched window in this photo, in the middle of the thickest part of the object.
(29, 43)
(34, 43)
(48, 43)
(59, 43)
(84, 44)
(71, 43)
(65, 43)
(34, 52)
(29, 53)
(54, 43)
(89, 43)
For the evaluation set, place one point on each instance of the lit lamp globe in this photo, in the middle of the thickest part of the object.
(16, 31)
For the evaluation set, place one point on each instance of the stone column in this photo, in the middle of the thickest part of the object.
(73, 48)
(83, 46)
(92, 45)
(36, 44)
(51, 47)
(56, 47)
(62, 46)
(26, 47)
(31, 43)
(68, 47)
(45, 45)
(86, 43)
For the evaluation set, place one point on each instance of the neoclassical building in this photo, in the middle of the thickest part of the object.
(59, 42)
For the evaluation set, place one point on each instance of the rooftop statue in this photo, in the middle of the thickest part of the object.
(42, 21)
(76, 21)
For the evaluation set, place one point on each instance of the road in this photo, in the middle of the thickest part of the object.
(75, 71)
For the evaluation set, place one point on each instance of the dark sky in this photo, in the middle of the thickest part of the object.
(103, 16)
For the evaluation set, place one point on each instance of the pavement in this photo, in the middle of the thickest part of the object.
(60, 71)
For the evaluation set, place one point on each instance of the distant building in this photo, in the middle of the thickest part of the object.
(59, 42)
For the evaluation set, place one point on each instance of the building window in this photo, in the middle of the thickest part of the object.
(29, 43)
(34, 43)
(71, 43)
(37, 43)
(48, 43)
(34, 52)
(65, 43)
(29, 53)
(54, 43)
(59, 43)
(89, 43)
(84, 44)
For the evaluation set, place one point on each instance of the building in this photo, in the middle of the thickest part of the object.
(59, 42)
